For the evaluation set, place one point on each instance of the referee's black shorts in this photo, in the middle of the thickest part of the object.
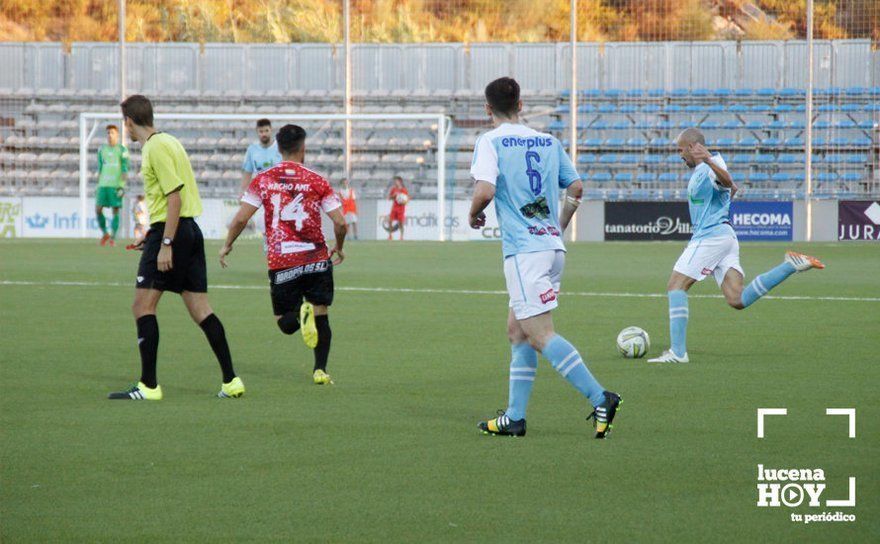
(188, 272)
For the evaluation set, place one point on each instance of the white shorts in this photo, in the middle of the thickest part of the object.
(533, 281)
(709, 256)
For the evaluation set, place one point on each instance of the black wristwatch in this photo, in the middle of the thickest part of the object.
(167, 242)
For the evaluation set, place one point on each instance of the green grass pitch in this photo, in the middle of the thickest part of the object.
(391, 453)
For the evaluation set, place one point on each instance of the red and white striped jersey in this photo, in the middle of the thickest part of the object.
(293, 198)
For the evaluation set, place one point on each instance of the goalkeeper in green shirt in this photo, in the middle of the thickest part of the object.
(112, 171)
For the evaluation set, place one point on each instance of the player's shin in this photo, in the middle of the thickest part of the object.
(567, 361)
(148, 345)
(762, 284)
(523, 366)
(114, 224)
(216, 335)
(102, 221)
(325, 335)
(678, 321)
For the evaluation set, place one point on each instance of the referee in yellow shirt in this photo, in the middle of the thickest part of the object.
(173, 256)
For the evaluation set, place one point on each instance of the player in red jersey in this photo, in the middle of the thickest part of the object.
(399, 196)
(300, 265)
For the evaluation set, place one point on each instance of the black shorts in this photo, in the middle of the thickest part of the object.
(188, 272)
(289, 286)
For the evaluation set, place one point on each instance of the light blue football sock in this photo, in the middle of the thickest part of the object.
(762, 284)
(567, 361)
(523, 367)
(678, 321)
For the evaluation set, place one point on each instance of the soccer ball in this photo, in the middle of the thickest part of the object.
(633, 342)
(401, 199)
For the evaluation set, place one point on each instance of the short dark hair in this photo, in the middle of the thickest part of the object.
(503, 96)
(395, 178)
(139, 109)
(290, 138)
(113, 127)
(264, 123)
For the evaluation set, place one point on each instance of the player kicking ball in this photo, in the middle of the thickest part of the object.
(173, 257)
(293, 198)
(713, 248)
(524, 171)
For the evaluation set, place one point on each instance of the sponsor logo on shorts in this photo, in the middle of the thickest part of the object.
(548, 296)
(707, 271)
(291, 274)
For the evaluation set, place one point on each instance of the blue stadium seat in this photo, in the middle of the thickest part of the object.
(635, 93)
(789, 92)
(725, 142)
(797, 141)
(628, 108)
(650, 108)
(673, 158)
(556, 125)
(856, 159)
(607, 108)
(760, 108)
(665, 124)
(755, 125)
(789, 158)
(615, 142)
(637, 142)
(680, 92)
(740, 158)
(851, 176)
(845, 123)
(820, 141)
(783, 108)
(839, 141)
(776, 124)
(586, 158)
(826, 108)
(702, 93)
(668, 177)
(657, 93)
(645, 177)
(629, 158)
(875, 106)
(623, 177)
(591, 142)
(826, 177)
(850, 108)
(833, 158)
(866, 124)
(781, 177)
(800, 176)
(653, 159)
(586, 108)
(733, 124)
(566, 93)
(738, 177)
(608, 158)
(771, 142)
(621, 125)
(759, 177)
(643, 125)
(686, 176)
(765, 158)
(766, 92)
(861, 141)
(613, 93)
(694, 108)
(687, 124)
(710, 125)
(722, 92)
(590, 93)
(742, 93)
(562, 108)
(660, 141)
(601, 177)
(748, 141)
(715, 108)
(738, 108)
(797, 125)
(874, 91)
(672, 108)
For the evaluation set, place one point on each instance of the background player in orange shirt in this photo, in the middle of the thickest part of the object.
(349, 207)
(399, 196)
(300, 266)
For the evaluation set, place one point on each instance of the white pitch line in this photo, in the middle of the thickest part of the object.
(428, 290)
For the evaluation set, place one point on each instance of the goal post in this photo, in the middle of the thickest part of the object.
(437, 123)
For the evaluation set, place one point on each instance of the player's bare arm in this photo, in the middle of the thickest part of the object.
(239, 222)
(701, 154)
(339, 229)
(164, 261)
(484, 192)
(573, 195)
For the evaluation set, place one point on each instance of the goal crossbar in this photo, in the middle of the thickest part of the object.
(443, 123)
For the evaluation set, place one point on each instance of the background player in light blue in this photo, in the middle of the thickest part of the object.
(524, 171)
(260, 155)
(713, 248)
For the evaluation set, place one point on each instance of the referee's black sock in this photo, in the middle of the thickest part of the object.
(322, 350)
(289, 322)
(148, 344)
(217, 338)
